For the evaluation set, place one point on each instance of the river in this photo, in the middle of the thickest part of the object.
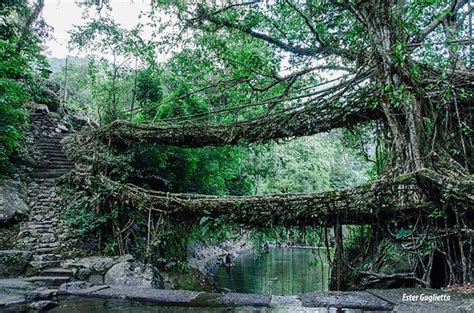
(281, 271)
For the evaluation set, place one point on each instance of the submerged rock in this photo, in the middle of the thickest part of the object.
(43, 305)
(134, 274)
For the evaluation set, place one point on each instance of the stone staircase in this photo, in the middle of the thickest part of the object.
(51, 277)
(56, 162)
(43, 233)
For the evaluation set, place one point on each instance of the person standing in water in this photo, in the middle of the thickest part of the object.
(228, 261)
(266, 247)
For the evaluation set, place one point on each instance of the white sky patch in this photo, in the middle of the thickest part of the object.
(62, 15)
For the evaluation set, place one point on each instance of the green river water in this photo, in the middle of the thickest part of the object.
(282, 272)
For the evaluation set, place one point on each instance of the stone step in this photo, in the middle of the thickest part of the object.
(33, 223)
(56, 138)
(45, 182)
(52, 158)
(60, 159)
(53, 153)
(40, 265)
(53, 244)
(56, 162)
(56, 272)
(51, 143)
(51, 148)
(45, 250)
(55, 167)
(38, 232)
(50, 153)
(49, 174)
(44, 240)
(61, 162)
(48, 280)
(47, 257)
(45, 169)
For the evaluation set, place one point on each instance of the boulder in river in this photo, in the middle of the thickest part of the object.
(43, 305)
(134, 274)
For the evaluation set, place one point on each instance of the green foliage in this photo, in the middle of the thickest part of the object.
(20, 50)
(79, 94)
(292, 235)
(403, 232)
(113, 83)
(83, 220)
(212, 231)
(149, 91)
(207, 170)
(314, 164)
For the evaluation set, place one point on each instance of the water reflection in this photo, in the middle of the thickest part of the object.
(283, 271)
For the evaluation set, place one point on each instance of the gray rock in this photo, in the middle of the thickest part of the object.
(345, 299)
(161, 296)
(72, 287)
(244, 299)
(51, 99)
(125, 258)
(54, 86)
(85, 267)
(41, 294)
(40, 108)
(285, 301)
(43, 305)
(12, 203)
(63, 128)
(133, 274)
(80, 120)
(96, 279)
(16, 284)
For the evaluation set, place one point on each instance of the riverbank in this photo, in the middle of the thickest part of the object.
(18, 295)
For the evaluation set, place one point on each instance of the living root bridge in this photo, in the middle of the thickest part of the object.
(378, 202)
(307, 121)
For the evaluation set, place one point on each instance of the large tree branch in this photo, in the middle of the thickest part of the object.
(456, 6)
(307, 22)
(298, 50)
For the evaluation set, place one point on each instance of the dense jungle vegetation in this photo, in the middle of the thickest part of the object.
(390, 81)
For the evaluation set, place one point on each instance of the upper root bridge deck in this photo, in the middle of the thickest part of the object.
(307, 121)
